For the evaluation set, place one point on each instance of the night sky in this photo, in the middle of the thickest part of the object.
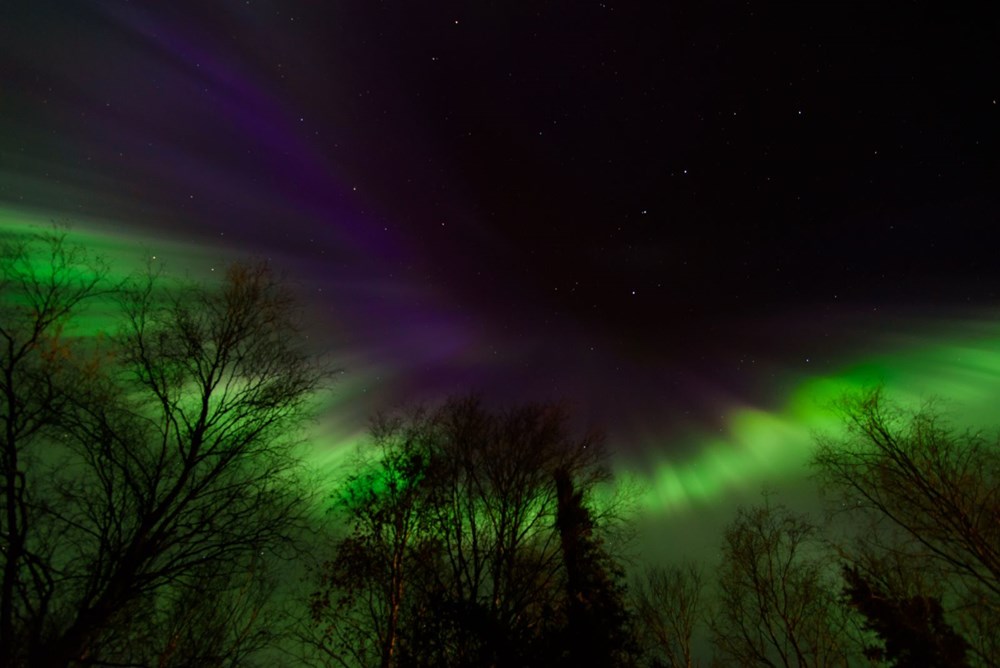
(694, 221)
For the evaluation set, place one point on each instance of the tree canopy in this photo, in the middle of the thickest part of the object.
(471, 543)
(152, 499)
(142, 471)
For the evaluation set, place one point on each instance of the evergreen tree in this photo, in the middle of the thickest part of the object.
(598, 628)
(912, 630)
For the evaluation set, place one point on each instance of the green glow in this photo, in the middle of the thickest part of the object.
(329, 443)
(754, 445)
(126, 252)
(123, 255)
(758, 447)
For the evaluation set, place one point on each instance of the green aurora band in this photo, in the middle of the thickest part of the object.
(125, 253)
(767, 448)
(342, 421)
(958, 362)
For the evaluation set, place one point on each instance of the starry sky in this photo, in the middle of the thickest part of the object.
(693, 221)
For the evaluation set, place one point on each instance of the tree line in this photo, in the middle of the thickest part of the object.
(155, 511)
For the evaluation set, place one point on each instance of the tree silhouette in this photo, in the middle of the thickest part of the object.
(44, 281)
(453, 555)
(598, 630)
(776, 606)
(159, 476)
(668, 606)
(364, 588)
(929, 499)
(912, 630)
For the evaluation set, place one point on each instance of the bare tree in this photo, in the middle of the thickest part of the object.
(453, 549)
(356, 611)
(44, 282)
(493, 507)
(668, 607)
(778, 596)
(229, 620)
(164, 473)
(929, 497)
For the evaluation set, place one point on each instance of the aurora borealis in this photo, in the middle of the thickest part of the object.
(697, 225)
